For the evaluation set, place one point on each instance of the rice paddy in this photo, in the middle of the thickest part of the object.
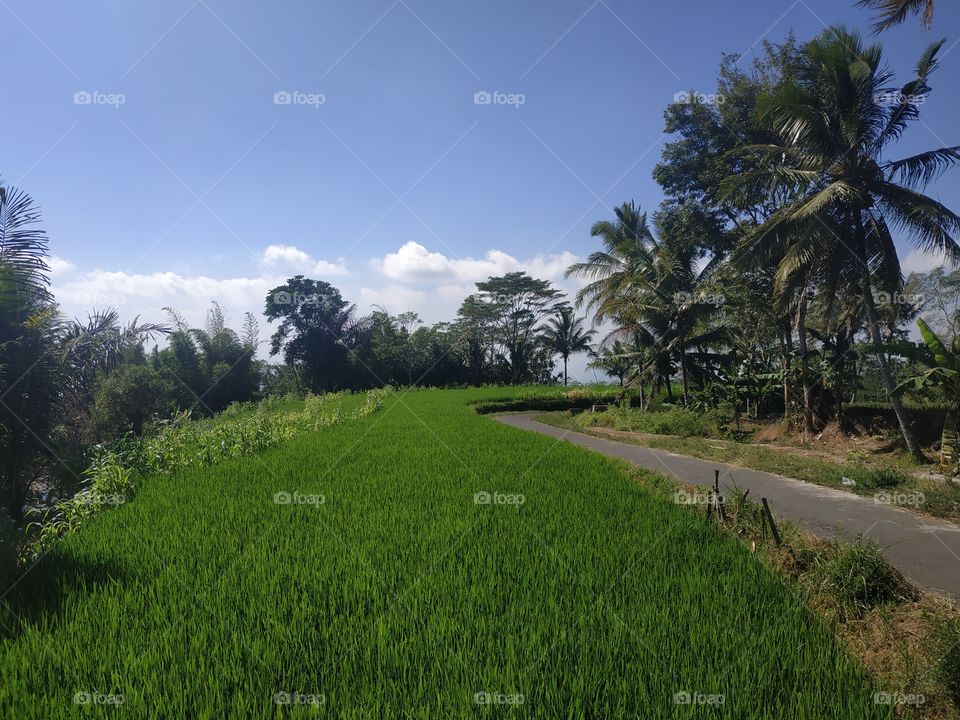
(416, 561)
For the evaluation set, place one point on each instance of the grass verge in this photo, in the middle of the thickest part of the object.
(922, 495)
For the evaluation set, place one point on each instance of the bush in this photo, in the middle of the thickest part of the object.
(857, 577)
(127, 398)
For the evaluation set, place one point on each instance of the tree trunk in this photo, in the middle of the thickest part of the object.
(804, 362)
(787, 368)
(683, 372)
(873, 325)
(564, 370)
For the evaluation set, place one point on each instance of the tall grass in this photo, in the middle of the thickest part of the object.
(422, 561)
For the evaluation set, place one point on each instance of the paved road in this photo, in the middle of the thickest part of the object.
(925, 549)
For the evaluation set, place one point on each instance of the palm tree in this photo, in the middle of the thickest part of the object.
(28, 328)
(894, 12)
(834, 119)
(612, 361)
(565, 335)
(651, 289)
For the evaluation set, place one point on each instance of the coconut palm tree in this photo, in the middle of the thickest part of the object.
(565, 335)
(834, 120)
(652, 289)
(894, 12)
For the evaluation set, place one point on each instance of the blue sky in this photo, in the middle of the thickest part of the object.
(182, 180)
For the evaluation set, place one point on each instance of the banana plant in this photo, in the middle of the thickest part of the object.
(943, 371)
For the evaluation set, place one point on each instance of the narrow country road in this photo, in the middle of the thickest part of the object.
(925, 549)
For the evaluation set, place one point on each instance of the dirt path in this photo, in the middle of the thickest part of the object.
(925, 549)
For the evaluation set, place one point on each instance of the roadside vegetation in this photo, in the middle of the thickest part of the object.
(886, 477)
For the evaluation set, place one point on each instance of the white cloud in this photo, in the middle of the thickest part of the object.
(59, 266)
(414, 263)
(293, 258)
(920, 261)
(145, 294)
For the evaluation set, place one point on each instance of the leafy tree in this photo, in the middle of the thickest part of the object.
(565, 335)
(515, 305)
(316, 331)
(834, 120)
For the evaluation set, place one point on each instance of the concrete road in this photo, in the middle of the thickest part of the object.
(925, 549)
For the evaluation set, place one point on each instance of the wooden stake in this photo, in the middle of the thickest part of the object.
(773, 525)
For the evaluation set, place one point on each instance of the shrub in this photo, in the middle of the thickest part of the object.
(127, 398)
(857, 577)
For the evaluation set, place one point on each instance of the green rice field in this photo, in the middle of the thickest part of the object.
(422, 561)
